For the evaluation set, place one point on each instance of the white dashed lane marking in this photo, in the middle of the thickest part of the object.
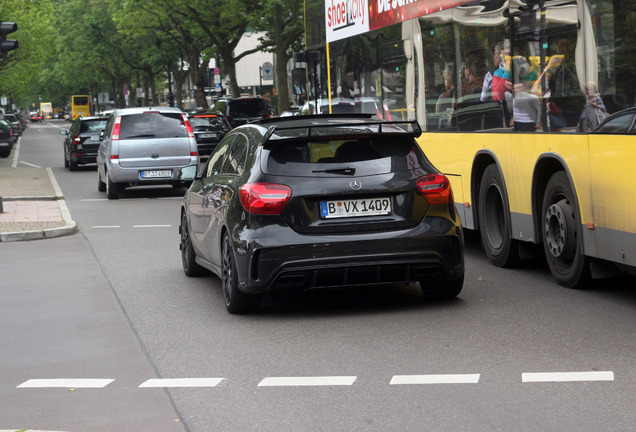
(66, 383)
(436, 379)
(182, 382)
(316, 381)
(307, 381)
(567, 376)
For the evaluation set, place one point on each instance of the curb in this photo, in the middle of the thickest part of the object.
(68, 229)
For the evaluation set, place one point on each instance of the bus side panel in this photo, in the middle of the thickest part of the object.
(613, 170)
(458, 164)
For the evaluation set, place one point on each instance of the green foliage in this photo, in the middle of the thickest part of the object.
(81, 46)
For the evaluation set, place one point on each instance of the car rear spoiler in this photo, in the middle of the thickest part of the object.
(409, 128)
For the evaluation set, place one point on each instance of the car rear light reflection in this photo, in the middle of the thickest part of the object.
(435, 188)
(264, 198)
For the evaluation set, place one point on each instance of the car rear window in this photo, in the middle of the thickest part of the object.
(360, 156)
(93, 125)
(152, 125)
(247, 108)
(209, 123)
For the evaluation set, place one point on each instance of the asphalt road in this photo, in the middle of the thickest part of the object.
(515, 352)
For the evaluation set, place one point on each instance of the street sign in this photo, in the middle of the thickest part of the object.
(268, 71)
(217, 71)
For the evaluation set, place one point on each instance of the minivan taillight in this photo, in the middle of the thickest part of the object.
(264, 198)
(435, 188)
(188, 126)
(115, 136)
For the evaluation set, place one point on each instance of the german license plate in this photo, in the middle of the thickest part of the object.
(354, 208)
(208, 135)
(156, 174)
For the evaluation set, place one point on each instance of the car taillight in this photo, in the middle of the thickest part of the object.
(116, 126)
(435, 188)
(264, 198)
(77, 140)
(188, 126)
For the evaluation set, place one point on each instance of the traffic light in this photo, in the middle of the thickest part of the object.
(7, 45)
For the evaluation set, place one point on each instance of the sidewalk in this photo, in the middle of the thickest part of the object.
(32, 206)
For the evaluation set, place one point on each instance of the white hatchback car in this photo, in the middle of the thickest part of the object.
(144, 146)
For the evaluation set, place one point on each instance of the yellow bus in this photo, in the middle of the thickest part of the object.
(80, 106)
(46, 110)
(507, 93)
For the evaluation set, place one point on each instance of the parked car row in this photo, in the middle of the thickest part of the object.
(6, 138)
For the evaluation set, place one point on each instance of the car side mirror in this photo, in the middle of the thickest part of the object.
(188, 173)
(96, 137)
(63, 132)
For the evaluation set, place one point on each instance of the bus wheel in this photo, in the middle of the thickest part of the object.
(494, 221)
(561, 232)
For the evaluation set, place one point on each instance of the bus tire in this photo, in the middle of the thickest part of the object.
(561, 234)
(494, 221)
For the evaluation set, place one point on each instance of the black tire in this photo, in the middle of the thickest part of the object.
(65, 160)
(72, 166)
(5, 154)
(561, 234)
(440, 289)
(112, 189)
(188, 255)
(236, 301)
(494, 221)
(101, 186)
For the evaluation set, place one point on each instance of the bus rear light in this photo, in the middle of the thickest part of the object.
(264, 198)
(194, 154)
(114, 157)
(435, 188)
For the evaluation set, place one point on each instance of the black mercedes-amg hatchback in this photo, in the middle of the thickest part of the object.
(309, 202)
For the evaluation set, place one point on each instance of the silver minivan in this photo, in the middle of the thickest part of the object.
(144, 146)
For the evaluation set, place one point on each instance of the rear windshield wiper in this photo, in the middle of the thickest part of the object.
(141, 136)
(343, 171)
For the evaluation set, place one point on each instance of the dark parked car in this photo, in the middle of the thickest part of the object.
(308, 202)
(35, 116)
(14, 121)
(243, 110)
(6, 139)
(209, 129)
(79, 145)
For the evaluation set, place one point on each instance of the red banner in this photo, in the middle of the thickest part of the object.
(386, 12)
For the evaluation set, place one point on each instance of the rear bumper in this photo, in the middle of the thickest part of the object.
(335, 261)
(119, 174)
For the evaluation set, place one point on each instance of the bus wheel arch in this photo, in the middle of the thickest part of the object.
(494, 219)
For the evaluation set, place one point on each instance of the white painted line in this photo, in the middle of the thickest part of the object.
(182, 382)
(568, 376)
(106, 226)
(66, 383)
(307, 381)
(26, 163)
(436, 379)
(152, 226)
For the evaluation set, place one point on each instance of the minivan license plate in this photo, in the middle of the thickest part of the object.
(156, 174)
(356, 207)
